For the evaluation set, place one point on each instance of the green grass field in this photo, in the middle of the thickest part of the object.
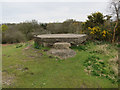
(23, 66)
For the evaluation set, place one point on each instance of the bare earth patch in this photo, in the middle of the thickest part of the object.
(62, 50)
(62, 53)
(7, 79)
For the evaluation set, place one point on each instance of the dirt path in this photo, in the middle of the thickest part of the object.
(6, 44)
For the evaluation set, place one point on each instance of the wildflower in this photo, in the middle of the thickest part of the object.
(104, 32)
(89, 28)
(103, 35)
(91, 32)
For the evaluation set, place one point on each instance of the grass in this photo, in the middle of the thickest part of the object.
(27, 67)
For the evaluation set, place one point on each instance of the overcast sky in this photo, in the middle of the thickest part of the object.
(15, 11)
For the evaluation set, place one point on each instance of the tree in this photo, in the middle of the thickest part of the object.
(55, 28)
(115, 9)
(68, 26)
(4, 27)
(28, 28)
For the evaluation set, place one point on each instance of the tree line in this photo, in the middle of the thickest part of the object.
(97, 27)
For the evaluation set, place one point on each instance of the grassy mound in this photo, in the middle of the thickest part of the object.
(27, 67)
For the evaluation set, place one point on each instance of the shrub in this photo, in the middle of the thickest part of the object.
(13, 37)
(68, 26)
(19, 45)
(36, 45)
(98, 33)
(98, 67)
(95, 19)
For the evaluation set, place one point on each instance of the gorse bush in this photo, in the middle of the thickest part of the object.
(98, 33)
(100, 27)
(95, 19)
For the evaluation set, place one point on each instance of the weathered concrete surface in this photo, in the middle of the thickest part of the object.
(61, 45)
(50, 39)
(62, 53)
(62, 50)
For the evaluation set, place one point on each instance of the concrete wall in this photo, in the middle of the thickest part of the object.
(51, 41)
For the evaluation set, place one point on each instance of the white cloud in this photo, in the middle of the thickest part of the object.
(54, 0)
(50, 12)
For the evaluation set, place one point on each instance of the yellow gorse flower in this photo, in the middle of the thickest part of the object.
(94, 30)
(91, 32)
(97, 31)
(103, 35)
(104, 32)
(89, 28)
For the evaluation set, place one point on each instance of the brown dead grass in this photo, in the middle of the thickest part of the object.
(7, 79)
